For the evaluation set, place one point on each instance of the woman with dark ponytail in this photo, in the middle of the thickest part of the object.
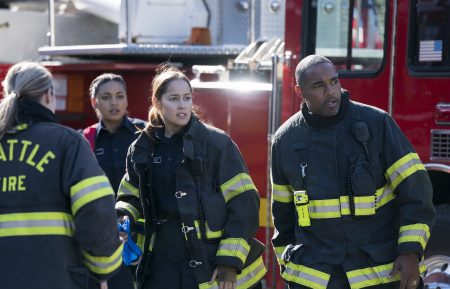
(57, 222)
(190, 183)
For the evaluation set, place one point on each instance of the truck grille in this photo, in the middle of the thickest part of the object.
(440, 144)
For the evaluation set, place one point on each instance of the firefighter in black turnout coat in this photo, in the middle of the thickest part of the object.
(352, 202)
(192, 186)
(57, 221)
(110, 138)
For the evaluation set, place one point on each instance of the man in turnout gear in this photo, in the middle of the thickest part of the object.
(58, 227)
(352, 202)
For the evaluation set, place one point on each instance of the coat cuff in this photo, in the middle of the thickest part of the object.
(413, 238)
(232, 252)
(123, 208)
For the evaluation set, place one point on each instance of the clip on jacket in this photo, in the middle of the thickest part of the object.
(301, 204)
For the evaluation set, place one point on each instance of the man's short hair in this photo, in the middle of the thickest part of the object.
(305, 64)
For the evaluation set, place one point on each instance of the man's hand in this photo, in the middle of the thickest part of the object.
(408, 266)
(226, 276)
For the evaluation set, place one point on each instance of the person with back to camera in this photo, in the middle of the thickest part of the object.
(58, 227)
(110, 138)
(190, 183)
(352, 202)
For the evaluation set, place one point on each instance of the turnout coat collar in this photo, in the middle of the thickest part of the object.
(145, 143)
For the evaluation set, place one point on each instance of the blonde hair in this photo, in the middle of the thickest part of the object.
(24, 80)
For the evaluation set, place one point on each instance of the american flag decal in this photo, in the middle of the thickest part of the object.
(430, 50)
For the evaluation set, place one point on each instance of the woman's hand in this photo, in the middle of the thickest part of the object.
(103, 285)
(123, 235)
(122, 218)
(226, 276)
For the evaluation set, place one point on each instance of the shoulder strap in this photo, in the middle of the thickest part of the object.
(89, 133)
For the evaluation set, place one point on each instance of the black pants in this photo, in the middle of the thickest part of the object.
(169, 267)
(164, 275)
(122, 280)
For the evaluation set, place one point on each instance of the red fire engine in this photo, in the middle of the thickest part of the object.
(391, 54)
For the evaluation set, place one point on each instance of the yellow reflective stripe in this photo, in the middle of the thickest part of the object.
(101, 264)
(384, 196)
(40, 223)
(345, 205)
(210, 234)
(422, 268)
(129, 208)
(415, 233)
(234, 247)
(127, 189)
(279, 253)
(335, 208)
(249, 276)
(237, 185)
(371, 276)
(324, 209)
(22, 126)
(88, 190)
(364, 206)
(305, 276)
(282, 193)
(140, 239)
(403, 168)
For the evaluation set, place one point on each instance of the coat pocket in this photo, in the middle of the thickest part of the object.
(361, 177)
(215, 211)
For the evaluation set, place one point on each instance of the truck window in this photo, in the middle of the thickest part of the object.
(349, 32)
(429, 35)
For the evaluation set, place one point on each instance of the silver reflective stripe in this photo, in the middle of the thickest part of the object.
(370, 276)
(234, 247)
(306, 276)
(89, 189)
(37, 224)
(415, 233)
(251, 274)
(325, 209)
(242, 183)
(367, 205)
(345, 205)
(281, 193)
(386, 193)
(403, 168)
(102, 265)
(125, 190)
